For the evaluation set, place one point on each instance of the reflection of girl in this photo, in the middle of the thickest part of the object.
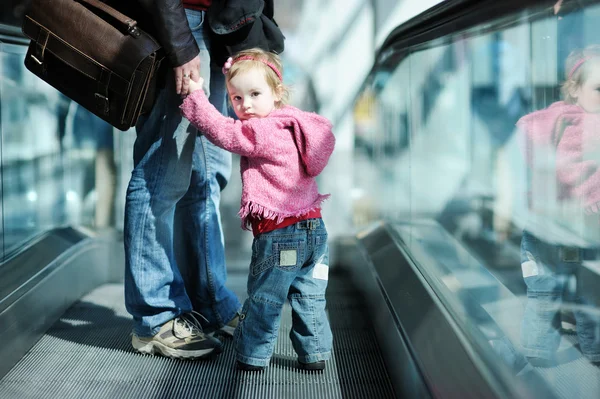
(571, 127)
(563, 138)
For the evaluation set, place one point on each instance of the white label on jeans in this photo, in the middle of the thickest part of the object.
(321, 271)
(529, 268)
(287, 257)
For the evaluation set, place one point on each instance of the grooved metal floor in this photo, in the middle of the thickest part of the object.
(87, 354)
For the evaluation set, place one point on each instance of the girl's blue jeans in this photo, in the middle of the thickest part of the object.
(291, 264)
(549, 270)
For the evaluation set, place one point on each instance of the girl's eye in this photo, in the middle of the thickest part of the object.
(255, 94)
(237, 98)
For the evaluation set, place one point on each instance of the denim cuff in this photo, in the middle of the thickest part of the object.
(592, 357)
(539, 353)
(253, 361)
(315, 357)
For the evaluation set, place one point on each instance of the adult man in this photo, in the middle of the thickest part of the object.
(177, 174)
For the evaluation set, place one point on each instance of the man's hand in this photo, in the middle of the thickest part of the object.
(185, 73)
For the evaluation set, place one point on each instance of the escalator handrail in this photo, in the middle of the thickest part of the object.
(12, 34)
(447, 18)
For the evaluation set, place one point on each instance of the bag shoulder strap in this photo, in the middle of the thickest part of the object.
(127, 24)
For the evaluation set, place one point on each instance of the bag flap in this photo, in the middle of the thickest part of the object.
(89, 32)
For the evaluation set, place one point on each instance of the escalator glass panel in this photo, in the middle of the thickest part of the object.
(482, 147)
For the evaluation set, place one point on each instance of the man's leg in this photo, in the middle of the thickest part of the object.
(154, 290)
(198, 214)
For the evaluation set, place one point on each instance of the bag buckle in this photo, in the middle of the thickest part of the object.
(40, 46)
(102, 103)
(36, 60)
(132, 28)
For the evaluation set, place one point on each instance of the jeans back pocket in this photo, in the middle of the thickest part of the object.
(289, 255)
(286, 254)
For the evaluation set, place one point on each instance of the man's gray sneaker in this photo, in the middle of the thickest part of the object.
(180, 338)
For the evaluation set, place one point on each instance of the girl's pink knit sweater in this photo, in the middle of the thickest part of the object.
(575, 135)
(281, 156)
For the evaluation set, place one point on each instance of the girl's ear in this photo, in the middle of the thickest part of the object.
(574, 91)
(278, 92)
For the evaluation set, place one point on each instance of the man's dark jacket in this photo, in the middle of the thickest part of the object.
(242, 24)
(235, 25)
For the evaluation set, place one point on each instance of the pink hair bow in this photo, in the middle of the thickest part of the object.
(227, 65)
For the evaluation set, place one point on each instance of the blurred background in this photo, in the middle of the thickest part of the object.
(424, 97)
(57, 164)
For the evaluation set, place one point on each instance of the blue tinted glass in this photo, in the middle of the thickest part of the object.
(483, 150)
(48, 149)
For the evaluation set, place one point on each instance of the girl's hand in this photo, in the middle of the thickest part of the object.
(196, 85)
(594, 208)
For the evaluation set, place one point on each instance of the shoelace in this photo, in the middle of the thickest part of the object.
(193, 312)
(190, 323)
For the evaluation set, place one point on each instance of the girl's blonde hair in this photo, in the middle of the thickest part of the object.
(261, 59)
(577, 67)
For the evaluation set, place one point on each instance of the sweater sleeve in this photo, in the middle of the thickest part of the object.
(224, 132)
(574, 170)
(324, 144)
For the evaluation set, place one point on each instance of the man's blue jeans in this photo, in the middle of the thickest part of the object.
(177, 174)
(291, 264)
(547, 270)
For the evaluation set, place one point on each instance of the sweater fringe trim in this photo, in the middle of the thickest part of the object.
(260, 211)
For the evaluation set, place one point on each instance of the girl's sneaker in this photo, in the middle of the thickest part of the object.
(228, 329)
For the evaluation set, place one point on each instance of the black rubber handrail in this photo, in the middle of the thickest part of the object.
(24, 268)
(12, 34)
(449, 17)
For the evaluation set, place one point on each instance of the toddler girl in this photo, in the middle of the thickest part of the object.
(283, 150)
(563, 139)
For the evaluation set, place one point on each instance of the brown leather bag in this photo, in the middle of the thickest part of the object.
(94, 55)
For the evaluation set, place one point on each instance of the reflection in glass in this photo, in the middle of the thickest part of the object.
(43, 165)
(562, 144)
(473, 135)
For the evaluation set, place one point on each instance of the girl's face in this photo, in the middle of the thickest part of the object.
(251, 95)
(588, 94)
